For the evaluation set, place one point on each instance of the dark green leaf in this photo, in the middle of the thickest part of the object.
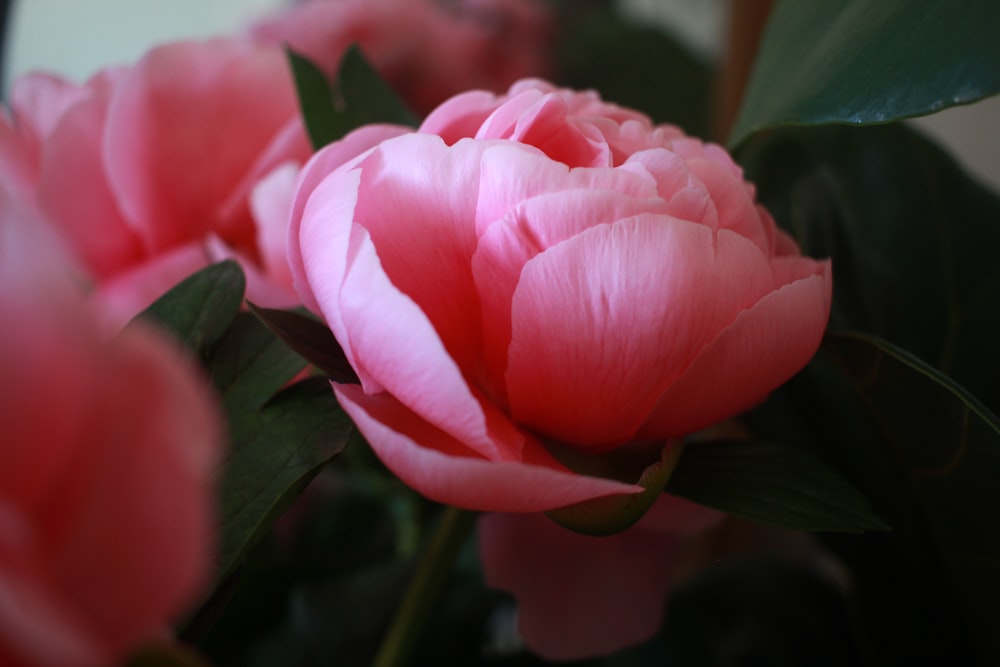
(367, 97)
(613, 514)
(948, 447)
(870, 61)
(199, 309)
(310, 338)
(773, 484)
(913, 240)
(274, 453)
(249, 365)
(360, 97)
(315, 101)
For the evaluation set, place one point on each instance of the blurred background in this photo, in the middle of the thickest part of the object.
(76, 37)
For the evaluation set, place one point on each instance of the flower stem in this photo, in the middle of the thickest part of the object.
(427, 582)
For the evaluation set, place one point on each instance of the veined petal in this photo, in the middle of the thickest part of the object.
(338, 156)
(764, 347)
(531, 227)
(603, 322)
(417, 199)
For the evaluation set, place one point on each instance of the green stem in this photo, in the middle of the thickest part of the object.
(426, 584)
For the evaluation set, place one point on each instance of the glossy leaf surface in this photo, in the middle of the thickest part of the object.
(870, 61)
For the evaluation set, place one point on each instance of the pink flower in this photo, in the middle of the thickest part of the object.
(106, 462)
(544, 267)
(580, 596)
(427, 49)
(148, 171)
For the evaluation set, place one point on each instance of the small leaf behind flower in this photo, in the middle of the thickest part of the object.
(773, 484)
(367, 97)
(613, 514)
(310, 338)
(358, 98)
(199, 309)
(315, 101)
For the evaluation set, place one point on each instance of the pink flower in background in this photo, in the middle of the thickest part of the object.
(580, 596)
(148, 171)
(106, 473)
(427, 50)
(547, 267)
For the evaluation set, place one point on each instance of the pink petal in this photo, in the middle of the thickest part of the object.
(528, 229)
(512, 173)
(764, 347)
(603, 322)
(386, 336)
(290, 144)
(330, 158)
(446, 470)
(461, 116)
(261, 289)
(133, 572)
(271, 204)
(187, 123)
(38, 101)
(540, 120)
(37, 628)
(73, 191)
(417, 200)
(392, 342)
(579, 596)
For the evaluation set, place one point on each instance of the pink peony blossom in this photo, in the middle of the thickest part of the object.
(427, 50)
(545, 267)
(147, 171)
(106, 467)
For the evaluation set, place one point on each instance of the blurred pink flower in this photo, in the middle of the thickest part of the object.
(106, 472)
(427, 49)
(579, 596)
(147, 171)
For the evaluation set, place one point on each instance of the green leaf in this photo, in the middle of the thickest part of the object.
(912, 238)
(360, 97)
(367, 97)
(315, 101)
(249, 365)
(947, 445)
(613, 514)
(773, 484)
(310, 338)
(870, 61)
(199, 309)
(275, 452)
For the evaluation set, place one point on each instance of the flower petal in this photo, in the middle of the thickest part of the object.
(528, 229)
(580, 596)
(764, 347)
(74, 193)
(168, 164)
(444, 469)
(603, 322)
(335, 157)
